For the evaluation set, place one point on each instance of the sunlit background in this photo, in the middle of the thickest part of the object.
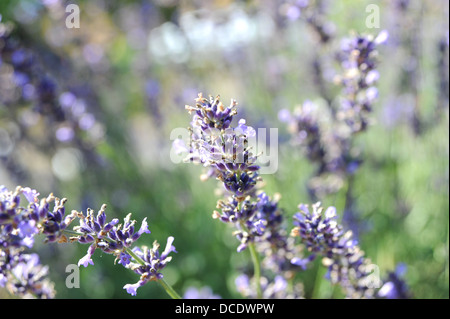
(89, 118)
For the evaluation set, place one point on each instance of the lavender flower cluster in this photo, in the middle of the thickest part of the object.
(323, 236)
(325, 134)
(21, 272)
(258, 220)
(358, 57)
(224, 150)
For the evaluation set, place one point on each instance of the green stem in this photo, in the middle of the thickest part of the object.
(168, 288)
(135, 257)
(257, 268)
(316, 293)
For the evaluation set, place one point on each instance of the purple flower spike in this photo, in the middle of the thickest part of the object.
(154, 263)
(22, 275)
(323, 236)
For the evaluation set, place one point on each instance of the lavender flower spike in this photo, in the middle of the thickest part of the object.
(358, 58)
(24, 276)
(148, 263)
(323, 236)
(223, 149)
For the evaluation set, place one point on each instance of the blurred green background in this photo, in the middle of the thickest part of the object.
(135, 64)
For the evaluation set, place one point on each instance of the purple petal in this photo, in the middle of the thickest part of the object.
(260, 226)
(179, 146)
(382, 37)
(86, 260)
(241, 247)
(169, 248)
(30, 194)
(131, 288)
(124, 259)
(28, 228)
(144, 227)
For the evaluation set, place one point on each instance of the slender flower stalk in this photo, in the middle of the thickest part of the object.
(257, 267)
(327, 138)
(170, 291)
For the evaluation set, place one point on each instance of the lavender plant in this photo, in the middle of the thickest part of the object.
(217, 145)
(327, 139)
(22, 274)
(224, 150)
(257, 220)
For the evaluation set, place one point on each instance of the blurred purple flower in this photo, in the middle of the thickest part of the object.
(395, 287)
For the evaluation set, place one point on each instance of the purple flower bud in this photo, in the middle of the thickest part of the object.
(110, 225)
(241, 247)
(97, 227)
